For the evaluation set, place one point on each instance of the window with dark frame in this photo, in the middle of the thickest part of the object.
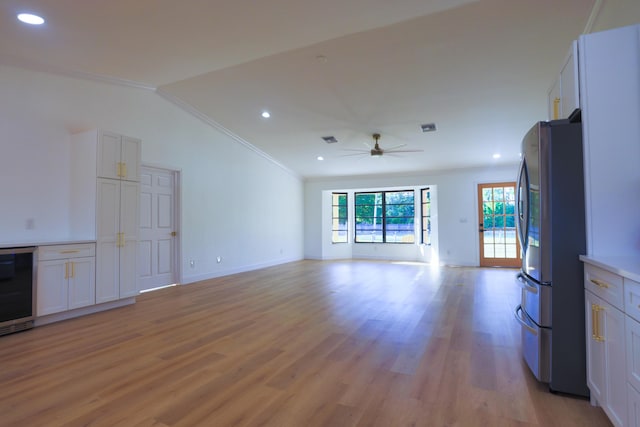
(384, 217)
(426, 215)
(339, 218)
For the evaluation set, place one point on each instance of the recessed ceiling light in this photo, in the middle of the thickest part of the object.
(496, 156)
(266, 114)
(30, 19)
(320, 158)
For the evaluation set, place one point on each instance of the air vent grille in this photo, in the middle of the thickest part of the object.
(428, 127)
(16, 327)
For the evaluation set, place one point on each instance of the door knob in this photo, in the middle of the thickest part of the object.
(174, 234)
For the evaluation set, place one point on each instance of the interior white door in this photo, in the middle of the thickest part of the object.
(157, 240)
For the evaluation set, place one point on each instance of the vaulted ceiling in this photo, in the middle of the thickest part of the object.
(478, 69)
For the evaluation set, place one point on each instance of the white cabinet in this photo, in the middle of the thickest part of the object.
(612, 299)
(633, 406)
(564, 94)
(554, 100)
(118, 157)
(610, 98)
(65, 278)
(117, 237)
(606, 374)
(105, 207)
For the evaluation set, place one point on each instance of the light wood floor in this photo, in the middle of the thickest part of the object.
(310, 343)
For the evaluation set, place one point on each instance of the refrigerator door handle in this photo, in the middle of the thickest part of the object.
(522, 205)
(519, 315)
(525, 284)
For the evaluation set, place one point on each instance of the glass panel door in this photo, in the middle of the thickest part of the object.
(499, 246)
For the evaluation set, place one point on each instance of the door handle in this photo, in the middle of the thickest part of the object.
(520, 318)
(174, 234)
(526, 286)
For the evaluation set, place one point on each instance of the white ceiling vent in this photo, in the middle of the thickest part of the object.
(428, 127)
(330, 139)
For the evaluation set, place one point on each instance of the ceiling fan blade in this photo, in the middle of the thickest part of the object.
(404, 151)
(354, 154)
(394, 147)
(359, 150)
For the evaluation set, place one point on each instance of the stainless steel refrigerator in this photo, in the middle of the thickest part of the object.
(551, 231)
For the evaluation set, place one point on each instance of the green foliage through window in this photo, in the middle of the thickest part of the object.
(339, 218)
(385, 217)
(426, 215)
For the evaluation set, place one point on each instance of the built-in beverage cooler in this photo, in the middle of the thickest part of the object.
(17, 291)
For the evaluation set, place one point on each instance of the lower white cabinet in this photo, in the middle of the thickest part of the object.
(65, 277)
(606, 367)
(117, 239)
(633, 406)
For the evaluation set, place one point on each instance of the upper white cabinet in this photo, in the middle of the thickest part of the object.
(554, 100)
(564, 94)
(118, 156)
(610, 99)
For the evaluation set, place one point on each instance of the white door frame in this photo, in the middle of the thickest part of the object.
(177, 212)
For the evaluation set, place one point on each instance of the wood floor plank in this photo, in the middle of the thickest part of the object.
(310, 343)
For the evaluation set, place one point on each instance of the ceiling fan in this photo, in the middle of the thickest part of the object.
(377, 151)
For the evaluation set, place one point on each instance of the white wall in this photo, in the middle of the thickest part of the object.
(235, 203)
(457, 214)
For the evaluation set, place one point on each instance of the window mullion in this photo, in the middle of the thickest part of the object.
(384, 217)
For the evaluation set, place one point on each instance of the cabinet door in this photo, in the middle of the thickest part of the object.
(633, 406)
(107, 240)
(82, 288)
(611, 328)
(554, 100)
(129, 222)
(109, 153)
(633, 351)
(595, 350)
(52, 287)
(569, 91)
(130, 158)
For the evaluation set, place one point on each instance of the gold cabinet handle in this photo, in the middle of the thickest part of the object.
(595, 316)
(118, 169)
(69, 252)
(66, 270)
(600, 283)
(556, 108)
(124, 170)
(593, 322)
(73, 269)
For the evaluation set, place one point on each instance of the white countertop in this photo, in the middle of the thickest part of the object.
(625, 266)
(23, 244)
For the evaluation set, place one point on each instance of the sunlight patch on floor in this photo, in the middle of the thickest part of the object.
(159, 287)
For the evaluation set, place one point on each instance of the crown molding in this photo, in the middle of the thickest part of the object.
(14, 61)
(209, 121)
(595, 11)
